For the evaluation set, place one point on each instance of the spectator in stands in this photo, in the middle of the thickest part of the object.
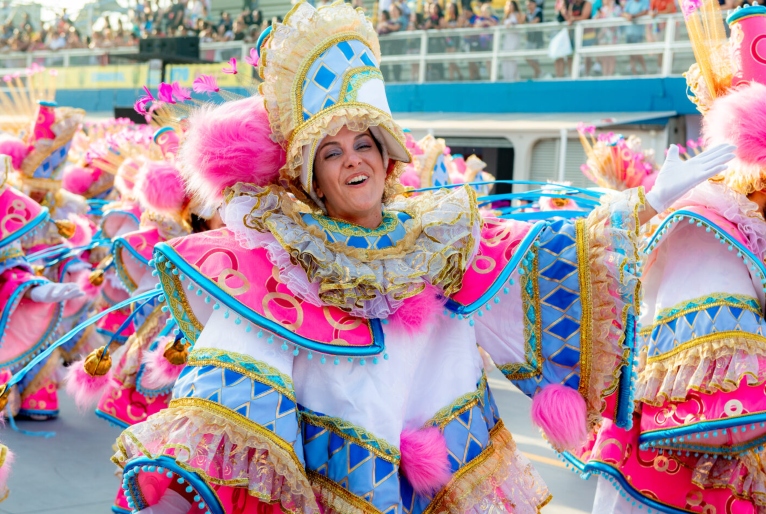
(483, 42)
(608, 35)
(452, 20)
(632, 10)
(656, 31)
(225, 22)
(534, 37)
(580, 10)
(239, 31)
(512, 16)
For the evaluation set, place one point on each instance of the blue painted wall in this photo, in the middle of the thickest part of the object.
(623, 95)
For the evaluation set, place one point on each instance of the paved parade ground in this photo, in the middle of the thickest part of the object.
(71, 472)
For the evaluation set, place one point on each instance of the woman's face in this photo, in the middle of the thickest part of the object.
(349, 175)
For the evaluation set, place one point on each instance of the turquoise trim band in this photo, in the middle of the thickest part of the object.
(682, 214)
(667, 436)
(111, 419)
(746, 12)
(36, 221)
(169, 253)
(162, 464)
(599, 468)
(504, 275)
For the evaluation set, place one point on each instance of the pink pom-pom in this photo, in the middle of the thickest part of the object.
(410, 178)
(84, 388)
(425, 460)
(737, 119)
(226, 144)
(15, 148)
(159, 372)
(417, 313)
(160, 187)
(77, 180)
(561, 413)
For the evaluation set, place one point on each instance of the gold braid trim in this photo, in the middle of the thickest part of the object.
(713, 363)
(499, 468)
(598, 241)
(335, 499)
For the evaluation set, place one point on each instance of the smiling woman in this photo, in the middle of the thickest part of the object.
(335, 322)
(350, 177)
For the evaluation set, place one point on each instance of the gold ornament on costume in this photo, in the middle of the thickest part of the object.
(176, 352)
(98, 362)
(66, 228)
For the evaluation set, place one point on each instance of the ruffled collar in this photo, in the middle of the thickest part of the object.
(428, 239)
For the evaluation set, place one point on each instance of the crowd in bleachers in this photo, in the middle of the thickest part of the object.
(148, 19)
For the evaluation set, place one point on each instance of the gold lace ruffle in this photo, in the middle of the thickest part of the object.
(500, 478)
(718, 364)
(745, 476)
(225, 450)
(441, 236)
(613, 294)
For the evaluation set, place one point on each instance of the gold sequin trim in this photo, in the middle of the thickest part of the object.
(698, 341)
(338, 426)
(586, 303)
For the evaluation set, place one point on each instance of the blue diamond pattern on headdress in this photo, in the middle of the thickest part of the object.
(325, 76)
(251, 398)
(52, 162)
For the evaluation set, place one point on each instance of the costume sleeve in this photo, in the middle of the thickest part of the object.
(566, 314)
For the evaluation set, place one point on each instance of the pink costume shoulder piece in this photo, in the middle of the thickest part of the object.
(210, 271)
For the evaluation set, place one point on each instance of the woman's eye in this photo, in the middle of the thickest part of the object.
(330, 155)
(363, 146)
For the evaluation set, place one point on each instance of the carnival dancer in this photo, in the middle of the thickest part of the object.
(291, 400)
(696, 444)
(39, 153)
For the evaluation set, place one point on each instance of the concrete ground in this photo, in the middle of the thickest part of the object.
(71, 472)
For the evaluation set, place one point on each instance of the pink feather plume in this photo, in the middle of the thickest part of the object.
(85, 389)
(410, 178)
(15, 148)
(160, 187)
(227, 144)
(737, 118)
(425, 461)
(205, 84)
(159, 372)
(561, 413)
(417, 313)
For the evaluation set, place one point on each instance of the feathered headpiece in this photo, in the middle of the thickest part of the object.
(615, 162)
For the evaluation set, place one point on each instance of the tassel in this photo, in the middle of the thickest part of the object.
(176, 352)
(66, 228)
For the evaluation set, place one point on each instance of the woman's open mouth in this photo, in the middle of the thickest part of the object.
(357, 180)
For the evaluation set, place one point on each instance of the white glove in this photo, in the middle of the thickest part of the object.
(170, 503)
(677, 177)
(52, 292)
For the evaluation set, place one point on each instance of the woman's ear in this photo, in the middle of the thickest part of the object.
(317, 189)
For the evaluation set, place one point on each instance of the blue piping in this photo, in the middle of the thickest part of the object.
(377, 346)
(502, 279)
(37, 220)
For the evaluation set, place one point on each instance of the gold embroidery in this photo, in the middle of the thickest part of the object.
(337, 499)
(698, 341)
(211, 357)
(237, 419)
(339, 426)
(446, 414)
(586, 328)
